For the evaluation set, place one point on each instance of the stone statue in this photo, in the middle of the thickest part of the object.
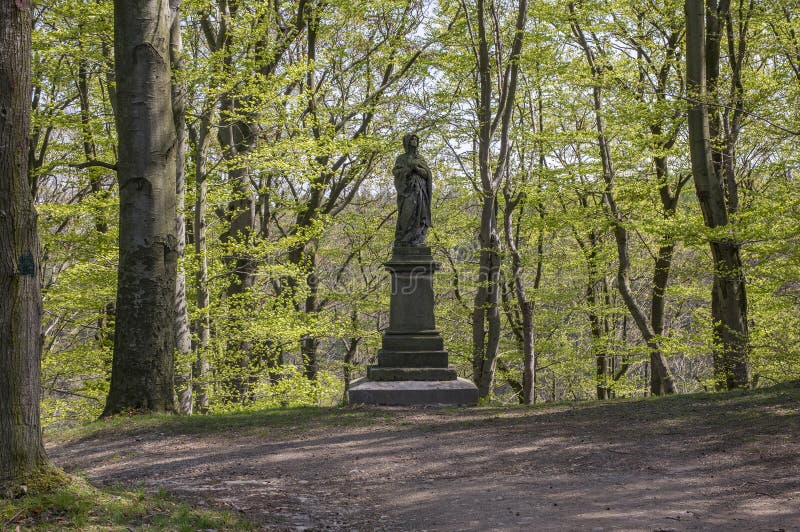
(412, 179)
(412, 366)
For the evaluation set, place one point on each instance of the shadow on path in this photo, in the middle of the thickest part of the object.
(705, 462)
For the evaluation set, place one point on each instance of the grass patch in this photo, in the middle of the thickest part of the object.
(278, 420)
(56, 501)
(287, 421)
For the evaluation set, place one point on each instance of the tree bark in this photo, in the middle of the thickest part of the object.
(598, 325)
(521, 295)
(661, 380)
(183, 337)
(142, 375)
(663, 263)
(202, 325)
(486, 312)
(21, 448)
(728, 296)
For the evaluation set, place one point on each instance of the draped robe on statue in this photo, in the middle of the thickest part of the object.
(412, 179)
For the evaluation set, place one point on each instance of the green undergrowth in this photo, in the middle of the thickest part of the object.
(57, 501)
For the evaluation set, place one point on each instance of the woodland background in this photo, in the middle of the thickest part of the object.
(289, 116)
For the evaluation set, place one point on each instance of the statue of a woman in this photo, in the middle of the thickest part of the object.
(412, 179)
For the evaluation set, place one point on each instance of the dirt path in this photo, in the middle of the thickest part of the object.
(728, 462)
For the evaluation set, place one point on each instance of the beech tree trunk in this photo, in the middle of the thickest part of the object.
(729, 297)
(486, 313)
(183, 337)
(661, 380)
(596, 295)
(142, 376)
(202, 325)
(524, 325)
(486, 325)
(21, 449)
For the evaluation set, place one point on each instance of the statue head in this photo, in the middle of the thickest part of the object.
(410, 142)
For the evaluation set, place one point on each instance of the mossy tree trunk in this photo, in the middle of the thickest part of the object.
(21, 449)
(143, 367)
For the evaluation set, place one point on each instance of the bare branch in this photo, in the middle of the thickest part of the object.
(87, 164)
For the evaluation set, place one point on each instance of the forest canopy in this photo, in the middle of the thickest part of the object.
(612, 219)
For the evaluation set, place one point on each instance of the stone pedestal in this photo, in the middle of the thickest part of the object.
(409, 393)
(412, 362)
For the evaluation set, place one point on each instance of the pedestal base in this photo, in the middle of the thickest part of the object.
(377, 373)
(407, 393)
(412, 364)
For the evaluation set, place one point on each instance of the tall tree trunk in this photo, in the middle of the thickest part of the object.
(597, 324)
(21, 449)
(728, 296)
(521, 321)
(202, 325)
(142, 376)
(661, 380)
(663, 262)
(669, 194)
(486, 312)
(236, 134)
(529, 372)
(521, 295)
(183, 337)
(303, 257)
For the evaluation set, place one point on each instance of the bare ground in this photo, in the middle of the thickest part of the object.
(700, 462)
